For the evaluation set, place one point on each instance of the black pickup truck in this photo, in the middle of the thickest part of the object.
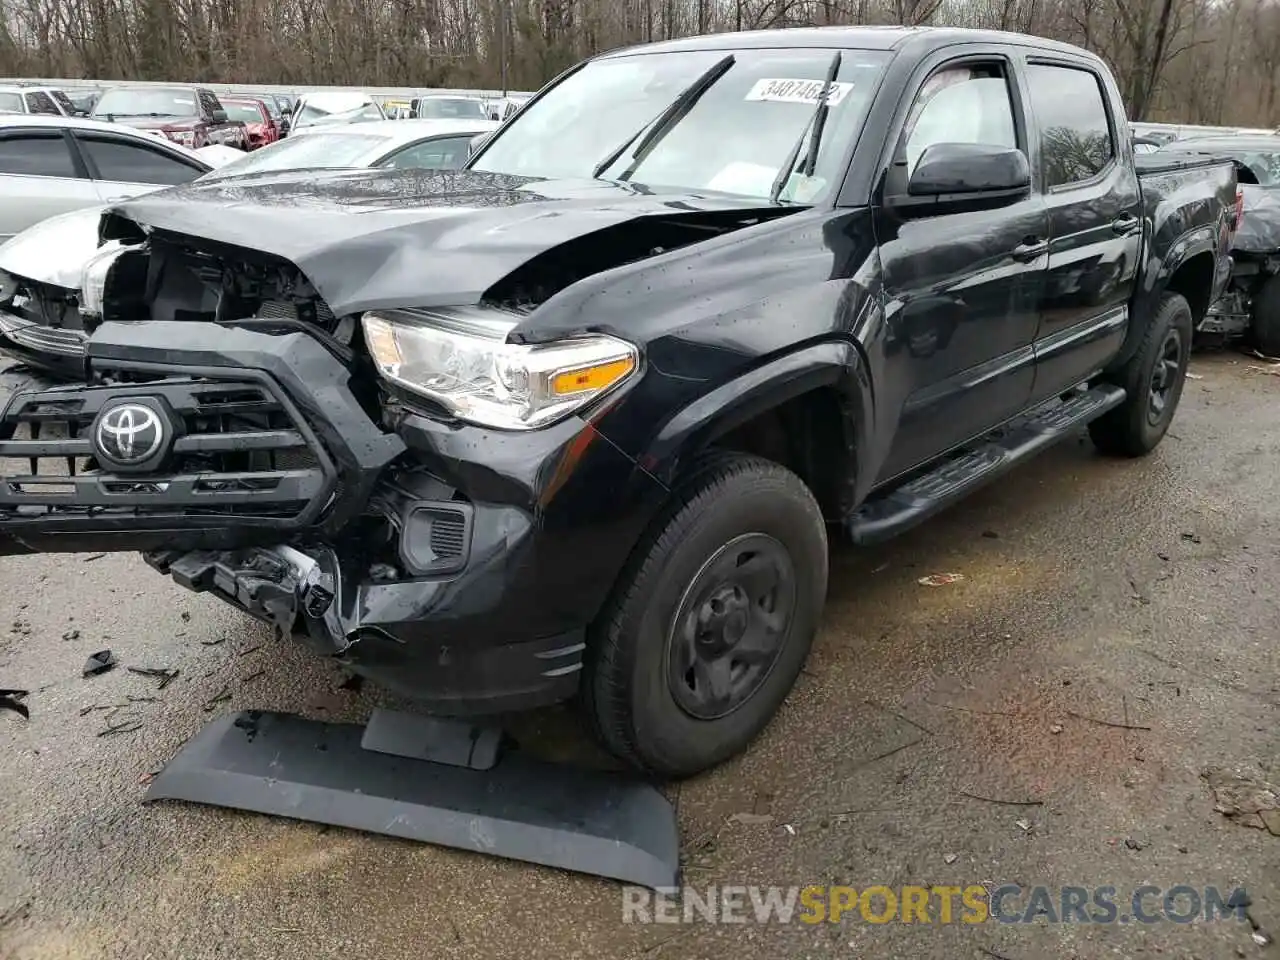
(576, 419)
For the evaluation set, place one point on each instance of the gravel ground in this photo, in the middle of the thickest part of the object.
(1112, 639)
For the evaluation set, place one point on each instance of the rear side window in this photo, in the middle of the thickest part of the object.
(40, 102)
(63, 101)
(34, 155)
(208, 103)
(136, 163)
(442, 153)
(1075, 136)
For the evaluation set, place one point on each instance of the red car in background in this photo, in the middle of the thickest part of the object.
(258, 122)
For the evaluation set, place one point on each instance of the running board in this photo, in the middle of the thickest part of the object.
(886, 515)
(519, 808)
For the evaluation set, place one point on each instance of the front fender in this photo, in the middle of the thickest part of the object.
(830, 364)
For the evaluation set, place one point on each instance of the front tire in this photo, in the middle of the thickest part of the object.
(1153, 380)
(710, 624)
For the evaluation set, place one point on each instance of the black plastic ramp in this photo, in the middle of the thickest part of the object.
(520, 808)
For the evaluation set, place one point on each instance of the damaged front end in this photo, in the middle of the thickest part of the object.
(253, 445)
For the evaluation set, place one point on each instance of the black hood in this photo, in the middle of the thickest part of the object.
(387, 238)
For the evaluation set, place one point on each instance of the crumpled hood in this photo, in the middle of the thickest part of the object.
(371, 239)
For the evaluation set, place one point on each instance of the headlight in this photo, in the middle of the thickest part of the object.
(185, 137)
(93, 278)
(465, 364)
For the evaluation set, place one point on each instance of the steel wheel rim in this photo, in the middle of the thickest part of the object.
(731, 626)
(1164, 377)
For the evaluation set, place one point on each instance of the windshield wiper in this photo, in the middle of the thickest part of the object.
(813, 131)
(661, 125)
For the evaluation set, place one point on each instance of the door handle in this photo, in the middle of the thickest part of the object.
(1125, 225)
(1029, 249)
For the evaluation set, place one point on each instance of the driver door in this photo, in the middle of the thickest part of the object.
(961, 290)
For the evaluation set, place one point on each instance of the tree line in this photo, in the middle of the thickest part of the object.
(1189, 61)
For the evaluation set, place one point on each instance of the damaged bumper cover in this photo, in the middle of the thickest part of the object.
(456, 566)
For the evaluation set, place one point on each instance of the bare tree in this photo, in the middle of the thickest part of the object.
(1187, 60)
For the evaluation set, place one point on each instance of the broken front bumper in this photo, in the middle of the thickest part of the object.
(453, 564)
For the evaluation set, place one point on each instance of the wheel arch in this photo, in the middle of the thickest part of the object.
(1191, 269)
(806, 410)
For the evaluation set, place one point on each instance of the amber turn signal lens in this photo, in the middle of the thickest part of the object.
(595, 377)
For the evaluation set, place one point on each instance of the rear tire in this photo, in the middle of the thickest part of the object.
(1153, 380)
(711, 622)
(1265, 328)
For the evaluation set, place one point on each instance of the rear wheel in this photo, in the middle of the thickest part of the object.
(711, 623)
(1153, 380)
(1266, 318)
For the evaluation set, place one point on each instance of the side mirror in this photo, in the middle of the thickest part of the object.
(476, 142)
(949, 168)
(965, 176)
(219, 116)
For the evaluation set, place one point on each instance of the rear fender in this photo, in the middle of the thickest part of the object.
(1155, 279)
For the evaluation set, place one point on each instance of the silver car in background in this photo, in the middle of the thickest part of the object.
(52, 164)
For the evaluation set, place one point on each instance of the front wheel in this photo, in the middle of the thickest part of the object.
(1153, 380)
(709, 626)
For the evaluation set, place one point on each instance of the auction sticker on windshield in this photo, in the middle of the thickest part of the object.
(797, 91)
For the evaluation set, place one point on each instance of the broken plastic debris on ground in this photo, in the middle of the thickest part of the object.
(940, 579)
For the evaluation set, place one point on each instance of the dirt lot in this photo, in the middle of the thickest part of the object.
(1114, 635)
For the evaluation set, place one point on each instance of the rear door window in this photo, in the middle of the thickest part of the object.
(1076, 139)
(128, 162)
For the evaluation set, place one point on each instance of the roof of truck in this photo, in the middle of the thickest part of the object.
(851, 38)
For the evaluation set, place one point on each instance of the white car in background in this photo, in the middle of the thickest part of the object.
(52, 164)
(37, 100)
(40, 269)
(334, 107)
(399, 144)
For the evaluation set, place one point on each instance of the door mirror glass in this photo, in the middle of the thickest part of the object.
(476, 143)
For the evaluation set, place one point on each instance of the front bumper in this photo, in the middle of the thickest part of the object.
(455, 565)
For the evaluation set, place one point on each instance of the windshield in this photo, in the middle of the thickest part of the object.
(248, 112)
(448, 108)
(734, 140)
(11, 103)
(312, 151)
(147, 103)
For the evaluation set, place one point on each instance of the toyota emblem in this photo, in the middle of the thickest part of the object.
(129, 434)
